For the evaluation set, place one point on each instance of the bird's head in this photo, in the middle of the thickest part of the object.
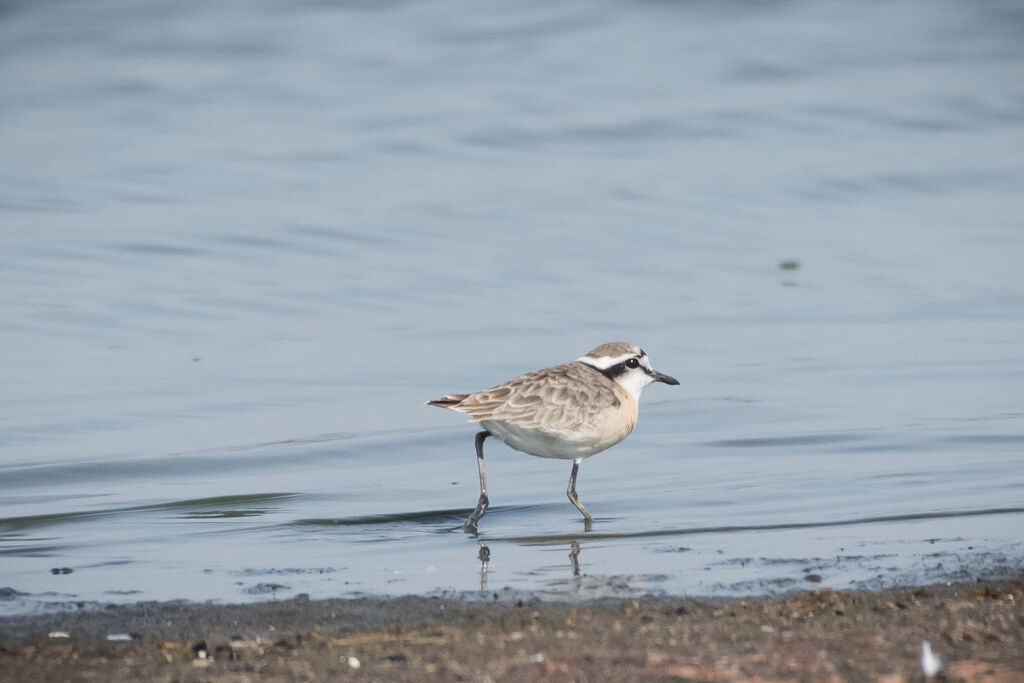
(625, 364)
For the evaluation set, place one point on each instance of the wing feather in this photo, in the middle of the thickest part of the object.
(570, 396)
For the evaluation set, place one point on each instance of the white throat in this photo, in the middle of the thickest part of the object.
(634, 382)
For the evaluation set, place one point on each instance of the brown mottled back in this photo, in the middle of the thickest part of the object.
(571, 396)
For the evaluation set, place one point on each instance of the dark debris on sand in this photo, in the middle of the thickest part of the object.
(977, 630)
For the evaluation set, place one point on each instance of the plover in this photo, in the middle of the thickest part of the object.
(569, 411)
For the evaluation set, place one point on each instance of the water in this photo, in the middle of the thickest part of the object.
(243, 243)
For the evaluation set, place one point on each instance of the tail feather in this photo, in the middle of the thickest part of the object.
(450, 401)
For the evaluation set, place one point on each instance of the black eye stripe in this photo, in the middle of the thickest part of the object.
(616, 370)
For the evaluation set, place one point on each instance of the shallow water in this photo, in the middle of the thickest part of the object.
(243, 243)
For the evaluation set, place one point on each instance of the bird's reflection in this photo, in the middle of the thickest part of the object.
(484, 555)
(574, 557)
(485, 558)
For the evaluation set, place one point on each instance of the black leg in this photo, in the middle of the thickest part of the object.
(481, 505)
(571, 492)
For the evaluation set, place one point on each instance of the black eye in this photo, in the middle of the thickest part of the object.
(632, 363)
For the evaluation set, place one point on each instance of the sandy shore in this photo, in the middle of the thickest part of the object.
(976, 629)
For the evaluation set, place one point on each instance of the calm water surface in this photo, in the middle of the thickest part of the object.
(244, 241)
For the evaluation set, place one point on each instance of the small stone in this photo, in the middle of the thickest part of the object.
(931, 664)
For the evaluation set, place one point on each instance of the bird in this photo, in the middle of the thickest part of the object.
(567, 412)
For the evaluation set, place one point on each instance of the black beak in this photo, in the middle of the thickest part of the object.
(658, 377)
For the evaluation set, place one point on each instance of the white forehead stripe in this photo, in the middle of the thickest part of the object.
(605, 362)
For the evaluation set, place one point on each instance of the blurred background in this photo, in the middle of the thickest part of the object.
(244, 241)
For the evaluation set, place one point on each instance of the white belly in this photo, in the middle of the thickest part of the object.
(564, 446)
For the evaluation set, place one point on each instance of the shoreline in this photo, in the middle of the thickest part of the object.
(975, 628)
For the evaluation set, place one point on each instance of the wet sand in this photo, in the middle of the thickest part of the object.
(976, 629)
